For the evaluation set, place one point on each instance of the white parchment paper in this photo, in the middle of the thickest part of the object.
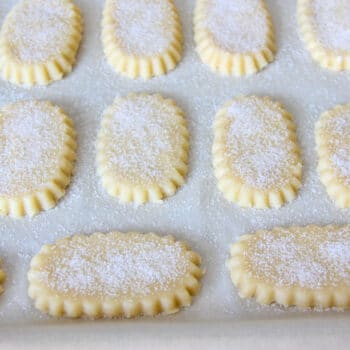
(197, 213)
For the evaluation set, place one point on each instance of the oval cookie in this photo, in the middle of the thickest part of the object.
(39, 41)
(114, 275)
(255, 153)
(303, 266)
(142, 148)
(333, 147)
(141, 38)
(234, 37)
(325, 29)
(37, 153)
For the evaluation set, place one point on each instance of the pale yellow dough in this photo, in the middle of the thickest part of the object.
(333, 147)
(114, 275)
(37, 153)
(142, 148)
(303, 266)
(39, 41)
(325, 28)
(2, 279)
(141, 38)
(256, 156)
(234, 37)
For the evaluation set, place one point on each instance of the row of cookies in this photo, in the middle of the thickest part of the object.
(143, 146)
(131, 274)
(39, 39)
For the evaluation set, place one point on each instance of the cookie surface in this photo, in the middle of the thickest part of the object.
(113, 275)
(37, 153)
(303, 266)
(141, 38)
(333, 147)
(234, 37)
(325, 29)
(39, 41)
(255, 153)
(142, 148)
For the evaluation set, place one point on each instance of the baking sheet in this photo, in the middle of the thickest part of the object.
(197, 213)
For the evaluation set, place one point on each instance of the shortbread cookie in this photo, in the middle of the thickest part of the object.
(234, 37)
(333, 147)
(114, 275)
(303, 266)
(325, 29)
(142, 148)
(141, 38)
(37, 152)
(255, 153)
(2, 279)
(39, 41)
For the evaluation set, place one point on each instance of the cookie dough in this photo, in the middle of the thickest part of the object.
(142, 148)
(234, 37)
(39, 41)
(303, 266)
(325, 29)
(255, 153)
(37, 153)
(114, 275)
(142, 38)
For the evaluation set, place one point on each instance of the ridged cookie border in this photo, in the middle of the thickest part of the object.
(337, 190)
(127, 192)
(233, 189)
(128, 307)
(44, 73)
(48, 195)
(227, 63)
(140, 66)
(266, 294)
(326, 58)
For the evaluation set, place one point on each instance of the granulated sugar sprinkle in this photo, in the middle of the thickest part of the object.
(338, 136)
(38, 30)
(144, 27)
(258, 143)
(112, 266)
(237, 25)
(143, 138)
(305, 257)
(31, 137)
(332, 23)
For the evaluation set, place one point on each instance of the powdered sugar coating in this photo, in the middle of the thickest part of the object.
(32, 134)
(308, 257)
(142, 139)
(334, 129)
(38, 30)
(144, 27)
(114, 265)
(331, 22)
(238, 26)
(258, 144)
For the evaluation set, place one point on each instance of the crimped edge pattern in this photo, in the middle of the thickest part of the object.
(266, 294)
(335, 184)
(225, 62)
(155, 192)
(43, 73)
(48, 195)
(326, 58)
(140, 66)
(233, 189)
(96, 307)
